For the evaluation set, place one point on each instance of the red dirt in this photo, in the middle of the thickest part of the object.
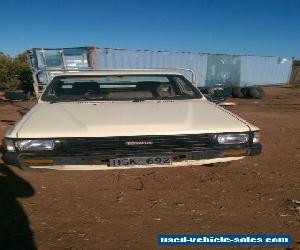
(127, 209)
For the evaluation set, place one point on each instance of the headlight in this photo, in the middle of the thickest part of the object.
(232, 138)
(256, 137)
(9, 145)
(35, 145)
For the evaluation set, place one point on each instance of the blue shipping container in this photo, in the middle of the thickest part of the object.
(210, 69)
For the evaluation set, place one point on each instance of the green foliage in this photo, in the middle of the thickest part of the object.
(15, 72)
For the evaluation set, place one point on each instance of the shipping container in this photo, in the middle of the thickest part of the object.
(210, 69)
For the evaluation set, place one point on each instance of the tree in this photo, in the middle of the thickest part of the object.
(15, 72)
(6, 77)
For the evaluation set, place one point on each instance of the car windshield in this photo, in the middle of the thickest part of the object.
(120, 88)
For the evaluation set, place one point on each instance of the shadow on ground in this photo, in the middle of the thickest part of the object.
(15, 232)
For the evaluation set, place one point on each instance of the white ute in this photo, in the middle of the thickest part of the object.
(112, 119)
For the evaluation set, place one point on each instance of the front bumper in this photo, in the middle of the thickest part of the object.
(28, 159)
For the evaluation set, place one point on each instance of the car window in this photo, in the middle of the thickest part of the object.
(141, 87)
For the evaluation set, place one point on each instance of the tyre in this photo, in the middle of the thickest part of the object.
(15, 95)
(254, 93)
(237, 92)
(245, 92)
(219, 164)
(262, 92)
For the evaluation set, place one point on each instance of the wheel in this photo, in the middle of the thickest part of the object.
(237, 92)
(254, 93)
(245, 91)
(219, 164)
(262, 92)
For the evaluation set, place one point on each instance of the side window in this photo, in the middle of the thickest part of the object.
(184, 87)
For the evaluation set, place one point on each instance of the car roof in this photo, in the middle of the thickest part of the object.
(116, 72)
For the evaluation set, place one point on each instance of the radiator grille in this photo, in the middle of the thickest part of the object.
(118, 146)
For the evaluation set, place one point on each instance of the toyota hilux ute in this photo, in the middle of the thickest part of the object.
(113, 119)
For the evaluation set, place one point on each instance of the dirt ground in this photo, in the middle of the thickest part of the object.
(127, 209)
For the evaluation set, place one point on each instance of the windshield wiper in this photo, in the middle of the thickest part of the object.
(57, 99)
(89, 98)
(139, 100)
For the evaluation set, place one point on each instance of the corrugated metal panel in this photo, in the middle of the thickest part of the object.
(259, 70)
(138, 59)
(210, 69)
(253, 70)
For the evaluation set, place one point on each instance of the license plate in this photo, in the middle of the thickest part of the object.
(134, 161)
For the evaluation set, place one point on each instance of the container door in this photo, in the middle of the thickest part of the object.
(223, 69)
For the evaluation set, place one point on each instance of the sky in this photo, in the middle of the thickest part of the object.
(253, 27)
